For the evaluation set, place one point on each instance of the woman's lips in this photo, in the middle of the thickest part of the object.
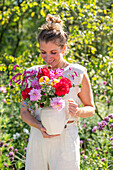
(50, 62)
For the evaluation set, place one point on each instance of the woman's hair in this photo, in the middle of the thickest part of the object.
(53, 31)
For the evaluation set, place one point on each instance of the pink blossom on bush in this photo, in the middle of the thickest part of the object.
(25, 149)
(81, 141)
(3, 89)
(111, 138)
(81, 152)
(11, 148)
(104, 82)
(4, 100)
(16, 150)
(11, 154)
(103, 159)
(84, 125)
(106, 119)
(94, 129)
(111, 116)
(111, 125)
(108, 101)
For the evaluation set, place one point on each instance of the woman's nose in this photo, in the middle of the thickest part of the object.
(48, 57)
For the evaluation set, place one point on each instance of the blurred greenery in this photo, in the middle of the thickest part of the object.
(89, 24)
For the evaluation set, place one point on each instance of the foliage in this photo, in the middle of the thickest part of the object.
(90, 28)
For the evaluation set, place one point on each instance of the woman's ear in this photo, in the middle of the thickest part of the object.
(64, 49)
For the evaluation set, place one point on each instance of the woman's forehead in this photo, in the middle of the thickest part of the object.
(48, 46)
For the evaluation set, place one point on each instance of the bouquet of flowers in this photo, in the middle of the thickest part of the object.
(44, 87)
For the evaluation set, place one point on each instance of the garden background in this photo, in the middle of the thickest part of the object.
(89, 24)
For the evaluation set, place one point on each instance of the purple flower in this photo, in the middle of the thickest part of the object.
(111, 138)
(81, 152)
(15, 66)
(111, 125)
(5, 145)
(99, 123)
(103, 123)
(11, 154)
(84, 157)
(16, 150)
(35, 84)
(106, 119)
(2, 89)
(108, 101)
(11, 148)
(25, 149)
(1, 143)
(97, 154)
(94, 129)
(84, 125)
(111, 116)
(103, 159)
(106, 152)
(5, 164)
(11, 158)
(88, 139)
(4, 100)
(81, 141)
(57, 103)
(104, 82)
(100, 128)
(35, 94)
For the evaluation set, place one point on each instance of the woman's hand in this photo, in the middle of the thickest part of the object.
(44, 133)
(73, 108)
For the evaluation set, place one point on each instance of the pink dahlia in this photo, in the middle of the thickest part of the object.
(57, 103)
(35, 94)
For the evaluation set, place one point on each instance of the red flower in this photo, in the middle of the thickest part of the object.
(43, 72)
(61, 88)
(66, 81)
(25, 93)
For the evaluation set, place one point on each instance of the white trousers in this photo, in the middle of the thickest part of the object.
(57, 153)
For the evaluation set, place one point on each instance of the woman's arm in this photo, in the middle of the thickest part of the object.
(28, 118)
(32, 121)
(86, 97)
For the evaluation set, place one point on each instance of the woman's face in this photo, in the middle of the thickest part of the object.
(52, 54)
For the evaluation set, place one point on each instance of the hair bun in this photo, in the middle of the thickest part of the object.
(52, 19)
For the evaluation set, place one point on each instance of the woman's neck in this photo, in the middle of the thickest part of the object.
(61, 65)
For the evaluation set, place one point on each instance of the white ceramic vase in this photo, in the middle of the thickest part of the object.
(53, 120)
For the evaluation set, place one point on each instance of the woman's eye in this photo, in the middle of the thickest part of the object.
(53, 52)
(43, 52)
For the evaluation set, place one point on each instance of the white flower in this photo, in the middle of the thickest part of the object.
(16, 136)
(25, 131)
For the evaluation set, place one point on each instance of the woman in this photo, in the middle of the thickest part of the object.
(58, 152)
